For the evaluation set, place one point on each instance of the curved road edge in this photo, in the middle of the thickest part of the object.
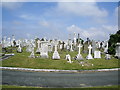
(56, 70)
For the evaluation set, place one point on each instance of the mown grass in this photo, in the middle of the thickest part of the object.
(14, 86)
(22, 60)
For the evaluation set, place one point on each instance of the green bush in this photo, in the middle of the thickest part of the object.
(114, 38)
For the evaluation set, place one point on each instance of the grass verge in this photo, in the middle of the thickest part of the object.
(21, 60)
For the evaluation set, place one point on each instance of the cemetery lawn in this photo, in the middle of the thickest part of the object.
(22, 60)
(13, 86)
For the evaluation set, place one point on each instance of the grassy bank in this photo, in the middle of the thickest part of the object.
(22, 60)
(13, 86)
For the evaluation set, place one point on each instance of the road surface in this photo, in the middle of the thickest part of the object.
(58, 79)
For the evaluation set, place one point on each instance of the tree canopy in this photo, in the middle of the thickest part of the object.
(114, 38)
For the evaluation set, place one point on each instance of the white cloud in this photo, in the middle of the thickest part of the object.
(95, 33)
(24, 16)
(110, 28)
(28, 17)
(82, 9)
(74, 28)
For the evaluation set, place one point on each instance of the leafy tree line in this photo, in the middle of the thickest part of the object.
(114, 38)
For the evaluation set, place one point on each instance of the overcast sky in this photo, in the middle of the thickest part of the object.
(95, 20)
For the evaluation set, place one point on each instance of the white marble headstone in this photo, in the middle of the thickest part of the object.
(19, 49)
(29, 48)
(79, 56)
(117, 49)
(89, 54)
(107, 56)
(38, 49)
(68, 57)
(74, 38)
(71, 47)
(32, 53)
(44, 51)
(61, 46)
(97, 54)
(56, 54)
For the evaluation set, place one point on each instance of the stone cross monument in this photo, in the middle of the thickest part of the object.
(55, 54)
(79, 56)
(89, 54)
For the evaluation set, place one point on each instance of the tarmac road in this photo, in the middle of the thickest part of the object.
(58, 79)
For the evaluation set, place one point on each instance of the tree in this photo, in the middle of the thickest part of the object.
(114, 38)
(78, 40)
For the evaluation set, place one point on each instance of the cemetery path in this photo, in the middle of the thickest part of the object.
(58, 79)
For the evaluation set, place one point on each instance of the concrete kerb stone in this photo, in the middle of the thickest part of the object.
(56, 70)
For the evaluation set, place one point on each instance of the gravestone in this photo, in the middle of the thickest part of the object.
(97, 54)
(9, 43)
(34, 43)
(19, 50)
(17, 43)
(32, 53)
(50, 48)
(56, 54)
(117, 49)
(13, 40)
(74, 39)
(98, 45)
(78, 40)
(23, 43)
(106, 48)
(89, 54)
(38, 49)
(103, 44)
(71, 46)
(63, 45)
(93, 46)
(75, 42)
(4, 43)
(44, 51)
(29, 48)
(68, 47)
(85, 47)
(107, 56)
(26, 41)
(79, 56)
(68, 57)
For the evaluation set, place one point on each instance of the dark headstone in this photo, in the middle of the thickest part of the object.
(85, 47)
(93, 46)
(63, 45)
